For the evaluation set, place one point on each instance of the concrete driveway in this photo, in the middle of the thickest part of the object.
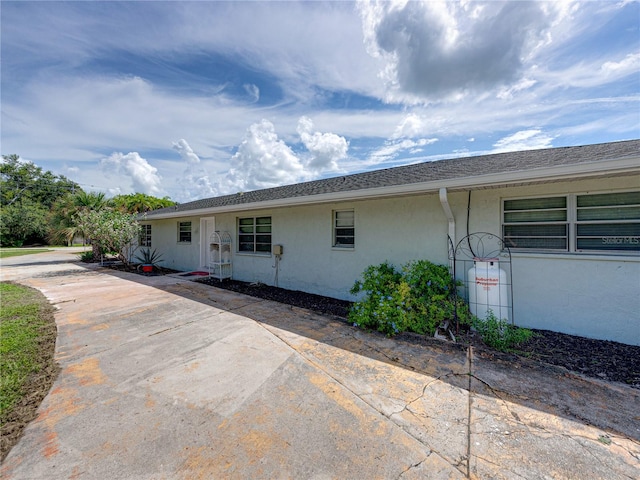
(163, 378)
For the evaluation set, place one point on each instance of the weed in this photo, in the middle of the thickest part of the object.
(500, 334)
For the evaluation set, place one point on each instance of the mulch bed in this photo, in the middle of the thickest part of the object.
(317, 303)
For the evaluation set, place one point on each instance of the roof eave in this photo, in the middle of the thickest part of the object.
(546, 174)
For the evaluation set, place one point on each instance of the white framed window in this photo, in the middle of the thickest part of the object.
(536, 223)
(254, 235)
(604, 222)
(344, 230)
(184, 232)
(144, 239)
(608, 221)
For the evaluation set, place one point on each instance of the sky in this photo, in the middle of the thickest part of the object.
(197, 99)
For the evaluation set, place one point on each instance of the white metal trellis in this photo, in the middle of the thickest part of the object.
(220, 255)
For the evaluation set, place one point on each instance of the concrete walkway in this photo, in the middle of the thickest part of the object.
(163, 378)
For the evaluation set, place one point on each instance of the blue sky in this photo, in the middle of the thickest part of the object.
(197, 99)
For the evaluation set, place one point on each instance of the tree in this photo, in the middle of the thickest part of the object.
(22, 222)
(62, 224)
(26, 195)
(111, 231)
(140, 202)
(20, 179)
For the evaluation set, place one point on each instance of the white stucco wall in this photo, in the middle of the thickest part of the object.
(591, 295)
(397, 230)
(597, 297)
(175, 255)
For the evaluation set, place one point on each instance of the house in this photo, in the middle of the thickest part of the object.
(571, 217)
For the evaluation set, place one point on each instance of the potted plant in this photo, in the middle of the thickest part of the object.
(148, 259)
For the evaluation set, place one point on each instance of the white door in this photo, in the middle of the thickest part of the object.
(207, 227)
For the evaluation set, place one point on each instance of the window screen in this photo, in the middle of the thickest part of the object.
(344, 232)
(254, 234)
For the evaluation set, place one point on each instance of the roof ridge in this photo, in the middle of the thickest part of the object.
(445, 169)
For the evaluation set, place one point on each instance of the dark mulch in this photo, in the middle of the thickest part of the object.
(601, 359)
(133, 268)
(317, 303)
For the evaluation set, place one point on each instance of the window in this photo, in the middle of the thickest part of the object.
(254, 235)
(608, 221)
(536, 223)
(184, 232)
(344, 232)
(574, 223)
(144, 239)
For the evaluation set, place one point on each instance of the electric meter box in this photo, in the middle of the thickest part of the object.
(277, 249)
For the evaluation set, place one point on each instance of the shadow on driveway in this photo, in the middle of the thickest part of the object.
(610, 406)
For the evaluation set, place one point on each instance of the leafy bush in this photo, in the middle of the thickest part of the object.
(500, 334)
(416, 299)
(86, 257)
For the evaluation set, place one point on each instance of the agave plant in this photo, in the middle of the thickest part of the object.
(149, 257)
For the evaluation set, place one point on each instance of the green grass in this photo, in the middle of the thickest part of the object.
(14, 252)
(25, 319)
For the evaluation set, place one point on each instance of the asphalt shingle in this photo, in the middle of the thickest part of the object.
(455, 168)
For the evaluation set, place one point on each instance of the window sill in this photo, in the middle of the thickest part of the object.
(599, 256)
(342, 249)
(254, 254)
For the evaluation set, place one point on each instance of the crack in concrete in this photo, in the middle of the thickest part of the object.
(412, 466)
(363, 399)
(64, 301)
(590, 452)
(463, 465)
(499, 466)
(175, 327)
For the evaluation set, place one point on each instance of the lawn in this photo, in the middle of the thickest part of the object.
(27, 368)
(14, 252)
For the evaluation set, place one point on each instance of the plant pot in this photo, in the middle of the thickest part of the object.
(147, 268)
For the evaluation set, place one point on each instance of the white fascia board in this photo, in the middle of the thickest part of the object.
(563, 172)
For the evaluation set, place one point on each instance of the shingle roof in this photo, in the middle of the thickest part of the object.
(423, 172)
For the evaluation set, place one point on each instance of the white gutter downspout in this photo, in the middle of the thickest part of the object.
(449, 214)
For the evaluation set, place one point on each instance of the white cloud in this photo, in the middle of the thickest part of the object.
(393, 149)
(523, 140)
(262, 161)
(195, 182)
(435, 49)
(466, 70)
(326, 149)
(411, 126)
(144, 177)
(186, 152)
(253, 91)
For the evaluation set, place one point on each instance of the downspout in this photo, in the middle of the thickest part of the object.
(444, 201)
(449, 214)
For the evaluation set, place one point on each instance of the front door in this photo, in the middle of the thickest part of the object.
(207, 227)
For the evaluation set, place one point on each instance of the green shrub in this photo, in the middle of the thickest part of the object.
(86, 257)
(500, 334)
(416, 299)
